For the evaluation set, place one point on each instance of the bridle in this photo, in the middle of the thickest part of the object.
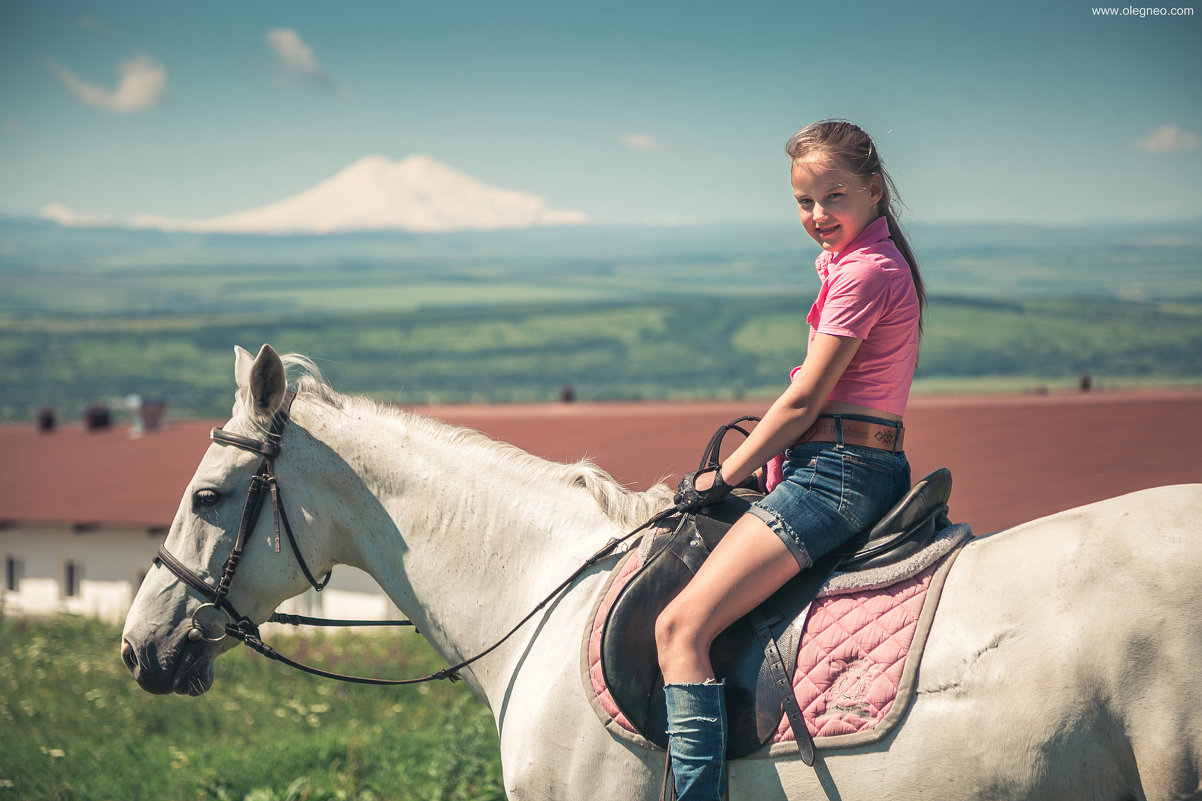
(242, 628)
(237, 625)
(262, 482)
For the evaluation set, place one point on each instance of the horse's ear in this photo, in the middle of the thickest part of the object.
(242, 363)
(263, 378)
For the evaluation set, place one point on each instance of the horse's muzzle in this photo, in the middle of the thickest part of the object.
(187, 670)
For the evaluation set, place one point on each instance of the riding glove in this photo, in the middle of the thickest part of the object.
(689, 497)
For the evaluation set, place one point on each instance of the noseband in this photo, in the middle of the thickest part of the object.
(261, 482)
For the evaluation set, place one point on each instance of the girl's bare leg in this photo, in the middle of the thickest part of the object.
(749, 564)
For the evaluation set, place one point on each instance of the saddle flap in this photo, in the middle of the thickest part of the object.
(628, 653)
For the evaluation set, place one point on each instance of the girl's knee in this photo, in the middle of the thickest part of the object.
(675, 629)
(666, 628)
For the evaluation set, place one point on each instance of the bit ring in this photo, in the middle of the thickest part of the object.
(198, 632)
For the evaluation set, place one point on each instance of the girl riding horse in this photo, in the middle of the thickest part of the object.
(839, 424)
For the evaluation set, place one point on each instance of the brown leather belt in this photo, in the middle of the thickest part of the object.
(855, 432)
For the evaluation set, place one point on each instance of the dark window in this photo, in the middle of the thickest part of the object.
(72, 577)
(12, 573)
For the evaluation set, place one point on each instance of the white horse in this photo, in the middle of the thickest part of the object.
(1065, 661)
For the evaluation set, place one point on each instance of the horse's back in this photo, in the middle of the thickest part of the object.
(1103, 574)
(1144, 547)
(1040, 679)
(1084, 626)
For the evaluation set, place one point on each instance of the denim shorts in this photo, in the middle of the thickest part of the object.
(829, 493)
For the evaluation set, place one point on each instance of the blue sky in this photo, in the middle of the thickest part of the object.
(632, 112)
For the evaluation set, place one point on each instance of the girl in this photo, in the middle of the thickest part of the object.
(839, 424)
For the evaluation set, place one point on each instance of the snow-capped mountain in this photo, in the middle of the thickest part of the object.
(418, 194)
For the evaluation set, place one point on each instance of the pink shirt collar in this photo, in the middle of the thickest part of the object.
(875, 231)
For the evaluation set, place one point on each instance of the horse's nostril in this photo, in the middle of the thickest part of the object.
(128, 656)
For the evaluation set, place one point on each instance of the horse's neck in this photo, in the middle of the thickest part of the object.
(474, 537)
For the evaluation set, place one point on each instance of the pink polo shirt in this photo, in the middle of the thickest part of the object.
(868, 293)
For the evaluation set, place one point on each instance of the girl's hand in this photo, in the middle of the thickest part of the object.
(700, 489)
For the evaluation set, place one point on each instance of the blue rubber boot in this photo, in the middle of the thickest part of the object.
(697, 739)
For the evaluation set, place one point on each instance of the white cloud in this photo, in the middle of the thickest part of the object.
(297, 59)
(294, 52)
(64, 215)
(142, 84)
(1169, 139)
(639, 141)
(89, 23)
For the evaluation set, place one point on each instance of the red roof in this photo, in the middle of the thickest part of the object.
(1013, 458)
(79, 478)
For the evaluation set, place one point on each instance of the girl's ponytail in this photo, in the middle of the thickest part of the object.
(903, 245)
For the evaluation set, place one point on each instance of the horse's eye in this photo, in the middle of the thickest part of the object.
(206, 497)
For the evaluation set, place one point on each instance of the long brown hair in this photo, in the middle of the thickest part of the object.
(855, 149)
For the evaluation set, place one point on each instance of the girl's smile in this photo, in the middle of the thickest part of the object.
(834, 205)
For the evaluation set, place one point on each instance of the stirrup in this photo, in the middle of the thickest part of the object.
(667, 791)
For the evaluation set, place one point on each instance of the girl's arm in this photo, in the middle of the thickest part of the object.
(793, 412)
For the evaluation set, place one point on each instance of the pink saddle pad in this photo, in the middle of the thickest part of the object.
(852, 657)
(857, 657)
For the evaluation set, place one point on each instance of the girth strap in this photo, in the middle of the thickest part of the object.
(784, 686)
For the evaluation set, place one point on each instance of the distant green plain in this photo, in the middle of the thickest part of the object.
(98, 316)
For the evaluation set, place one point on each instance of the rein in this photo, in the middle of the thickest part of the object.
(244, 630)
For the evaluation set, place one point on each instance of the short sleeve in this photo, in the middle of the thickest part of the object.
(857, 296)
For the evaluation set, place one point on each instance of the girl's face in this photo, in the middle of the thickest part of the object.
(833, 205)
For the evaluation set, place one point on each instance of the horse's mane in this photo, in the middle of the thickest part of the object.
(622, 505)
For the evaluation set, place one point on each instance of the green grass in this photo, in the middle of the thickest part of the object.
(691, 346)
(75, 727)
